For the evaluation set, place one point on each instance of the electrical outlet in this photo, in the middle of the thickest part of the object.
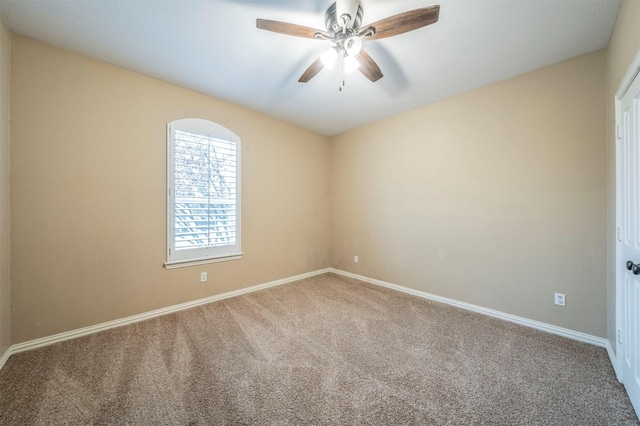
(203, 277)
(355, 259)
(560, 299)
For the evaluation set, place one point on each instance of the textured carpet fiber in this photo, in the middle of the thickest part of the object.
(324, 350)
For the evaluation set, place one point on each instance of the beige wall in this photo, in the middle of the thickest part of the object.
(88, 180)
(623, 46)
(495, 197)
(5, 284)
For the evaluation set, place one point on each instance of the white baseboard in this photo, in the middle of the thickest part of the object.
(72, 334)
(613, 359)
(5, 356)
(565, 332)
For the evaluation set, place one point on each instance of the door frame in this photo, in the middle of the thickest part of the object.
(629, 77)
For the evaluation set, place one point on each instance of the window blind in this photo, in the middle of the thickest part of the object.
(205, 185)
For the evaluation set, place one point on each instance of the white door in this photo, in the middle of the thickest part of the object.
(628, 253)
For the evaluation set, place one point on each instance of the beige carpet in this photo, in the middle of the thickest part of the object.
(325, 350)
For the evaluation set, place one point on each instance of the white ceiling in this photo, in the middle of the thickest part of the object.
(213, 47)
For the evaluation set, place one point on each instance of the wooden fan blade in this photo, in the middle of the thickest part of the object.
(404, 22)
(311, 72)
(368, 66)
(286, 28)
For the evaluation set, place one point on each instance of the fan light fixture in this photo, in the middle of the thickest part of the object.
(353, 46)
(329, 57)
(347, 50)
(349, 62)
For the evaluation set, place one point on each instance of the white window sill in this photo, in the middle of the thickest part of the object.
(194, 262)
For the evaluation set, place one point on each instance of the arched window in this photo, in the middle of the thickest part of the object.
(203, 193)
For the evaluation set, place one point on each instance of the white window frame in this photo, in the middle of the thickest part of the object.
(198, 256)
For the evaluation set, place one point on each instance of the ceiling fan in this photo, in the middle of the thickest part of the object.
(343, 20)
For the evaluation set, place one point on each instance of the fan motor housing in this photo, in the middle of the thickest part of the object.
(331, 20)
